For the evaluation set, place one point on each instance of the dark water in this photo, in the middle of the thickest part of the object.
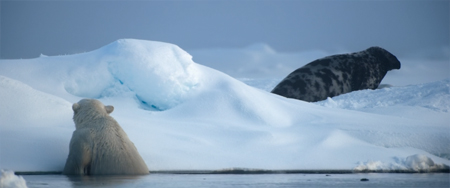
(244, 180)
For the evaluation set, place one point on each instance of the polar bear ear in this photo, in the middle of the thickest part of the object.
(75, 107)
(109, 109)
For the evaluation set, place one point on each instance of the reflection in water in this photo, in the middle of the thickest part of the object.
(103, 180)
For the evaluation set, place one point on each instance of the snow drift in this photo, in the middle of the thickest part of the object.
(184, 116)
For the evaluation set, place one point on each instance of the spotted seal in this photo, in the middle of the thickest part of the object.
(338, 74)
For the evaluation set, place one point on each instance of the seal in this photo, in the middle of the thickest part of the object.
(338, 74)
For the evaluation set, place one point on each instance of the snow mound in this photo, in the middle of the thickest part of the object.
(160, 74)
(422, 163)
(10, 180)
(413, 163)
(31, 122)
(35, 107)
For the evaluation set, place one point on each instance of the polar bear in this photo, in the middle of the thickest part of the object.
(99, 146)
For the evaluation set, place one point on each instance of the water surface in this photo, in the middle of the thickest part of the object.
(244, 180)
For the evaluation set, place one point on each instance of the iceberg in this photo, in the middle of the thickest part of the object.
(185, 116)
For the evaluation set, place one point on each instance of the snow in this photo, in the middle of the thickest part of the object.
(434, 96)
(185, 116)
(414, 163)
(173, 76)
(9, 180)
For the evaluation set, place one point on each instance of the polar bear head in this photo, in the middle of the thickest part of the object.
(89, 109)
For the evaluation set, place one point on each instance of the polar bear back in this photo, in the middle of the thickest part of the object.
(99, 146)
(113, 152)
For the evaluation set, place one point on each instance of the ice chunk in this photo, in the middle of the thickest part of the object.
(370, 166)
(413, 163)
(420, 163)
(10, 180)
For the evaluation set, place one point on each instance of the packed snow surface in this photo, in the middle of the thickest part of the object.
(185, 116)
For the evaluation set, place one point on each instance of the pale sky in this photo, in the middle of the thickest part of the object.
(31, 28)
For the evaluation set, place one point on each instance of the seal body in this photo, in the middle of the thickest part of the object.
(338, 74)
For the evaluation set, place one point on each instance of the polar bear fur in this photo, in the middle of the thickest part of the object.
(99, 146)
